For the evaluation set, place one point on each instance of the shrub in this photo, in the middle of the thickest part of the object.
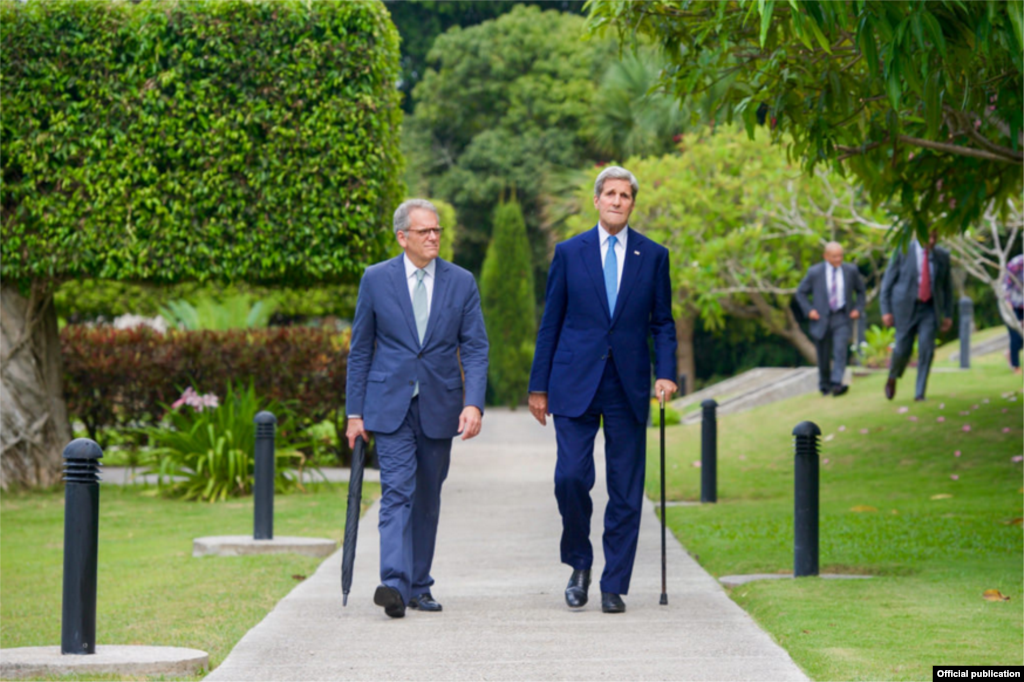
(672, 416)
(117, 378)
(507, 299)
(208, 452)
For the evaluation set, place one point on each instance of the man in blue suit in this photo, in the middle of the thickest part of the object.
(416, 317)
(608, 292)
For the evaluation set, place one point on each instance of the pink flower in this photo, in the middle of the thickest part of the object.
(941, 419)
(1017, 458)
(195, 401)
(956, 454)
(843, 428)
(903, 410)
(967, 427)
(954, 477)
(1006, 429)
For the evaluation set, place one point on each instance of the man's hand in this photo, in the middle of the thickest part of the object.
(813, 315)
(888, 320)
(354, 430)
(855, 314)
(539, 407)
(947, 324)
(665, 386)
(470, 421)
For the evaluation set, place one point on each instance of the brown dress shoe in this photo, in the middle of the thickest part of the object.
(890, 388)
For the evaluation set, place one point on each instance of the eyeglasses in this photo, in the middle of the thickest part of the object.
(434, 231)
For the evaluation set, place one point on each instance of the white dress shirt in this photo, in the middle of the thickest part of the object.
(919, 254)
(428, 279)
(837, 274)
(620, 249)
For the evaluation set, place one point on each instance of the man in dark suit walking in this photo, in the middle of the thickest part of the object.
(832, 284)
(416, 316)
(917, 299)
(608, 292)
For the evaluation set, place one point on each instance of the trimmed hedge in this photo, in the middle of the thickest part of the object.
(204, 140)
(118, 378)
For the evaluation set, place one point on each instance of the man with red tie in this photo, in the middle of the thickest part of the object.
(917, 296)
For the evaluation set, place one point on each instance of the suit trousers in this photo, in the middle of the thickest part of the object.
(412, 469)
(625, 459)
(922, 325)
(834, 346)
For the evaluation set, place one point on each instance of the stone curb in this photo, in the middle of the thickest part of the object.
(41, 661)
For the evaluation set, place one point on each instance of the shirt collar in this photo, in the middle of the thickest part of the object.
(411, 269)
(621, 236)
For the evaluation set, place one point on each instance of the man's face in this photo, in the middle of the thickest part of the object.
(933, 238)
(834, 257)
(421, 240)
(614, 204)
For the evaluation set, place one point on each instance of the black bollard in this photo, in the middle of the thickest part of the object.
(966, 322)
(263, 487)
(81, 540)
(805, 517)
(709, 452)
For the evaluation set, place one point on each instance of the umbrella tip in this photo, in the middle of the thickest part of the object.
(664, 600)
(344, 599)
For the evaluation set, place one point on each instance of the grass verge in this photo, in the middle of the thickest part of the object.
(151, 590)
(925, 497)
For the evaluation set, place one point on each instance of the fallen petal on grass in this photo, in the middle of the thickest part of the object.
(1017, 458)
(1006, 429)
(903, 409)
(956, 454)
(829, 437)
(912, 418)
(843, 428)
(825, 461)
(863, 430)
(966, 427)
(940, 419)
(954, 477)
(696, 464)
(942, 406)
(994, 595)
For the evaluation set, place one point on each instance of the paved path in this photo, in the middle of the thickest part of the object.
(500, 581)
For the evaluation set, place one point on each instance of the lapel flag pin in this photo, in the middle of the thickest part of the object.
(637, 252)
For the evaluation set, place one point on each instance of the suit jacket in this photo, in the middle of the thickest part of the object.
(386, 358)
(577, 331)
(815, 283)
(899, 285)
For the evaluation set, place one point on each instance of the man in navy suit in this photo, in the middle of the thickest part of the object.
(416, 316)
(832, 284)
(917, 299)
(608, 292)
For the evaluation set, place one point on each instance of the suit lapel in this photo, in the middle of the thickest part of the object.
(592, 261)
(441, 277)
(630, 270)
(401, 285)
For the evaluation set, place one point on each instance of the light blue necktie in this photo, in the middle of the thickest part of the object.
(611, 274)
(420, 312)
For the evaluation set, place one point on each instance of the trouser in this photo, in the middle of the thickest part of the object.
(922, 325)
(412, 469)
(834, 347)
(625, 455)
(1016, 342)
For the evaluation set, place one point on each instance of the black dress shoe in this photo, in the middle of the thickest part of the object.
(612, 603)
(839, 390)
(576, 590)
(824, 391)
(919, 398)
(391, 600)
(890, 388)
(424, 602)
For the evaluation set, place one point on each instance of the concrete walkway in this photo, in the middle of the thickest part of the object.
(501, 584)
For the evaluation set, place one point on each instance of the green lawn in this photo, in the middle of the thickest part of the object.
(934, 529)
(151, 590)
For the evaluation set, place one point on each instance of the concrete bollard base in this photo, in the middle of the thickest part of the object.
(42, 661)
(244, 545)
(737, 580)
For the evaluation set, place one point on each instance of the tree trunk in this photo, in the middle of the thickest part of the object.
(684, 350)
(34, 427)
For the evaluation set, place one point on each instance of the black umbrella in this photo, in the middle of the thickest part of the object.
(355, 503)
(664, 590)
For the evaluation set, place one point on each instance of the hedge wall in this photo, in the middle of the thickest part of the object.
(209, 139)
(117, 378)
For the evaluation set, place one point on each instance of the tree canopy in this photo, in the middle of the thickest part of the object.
(921, 101)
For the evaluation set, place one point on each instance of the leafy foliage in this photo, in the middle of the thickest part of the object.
(235, 312)
(507, 300)
(922, 101)
(124, 378)
(209, 454)
(203, 140)
(877, 346)
(506, 101)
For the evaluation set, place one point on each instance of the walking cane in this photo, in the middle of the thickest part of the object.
(664, 590)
